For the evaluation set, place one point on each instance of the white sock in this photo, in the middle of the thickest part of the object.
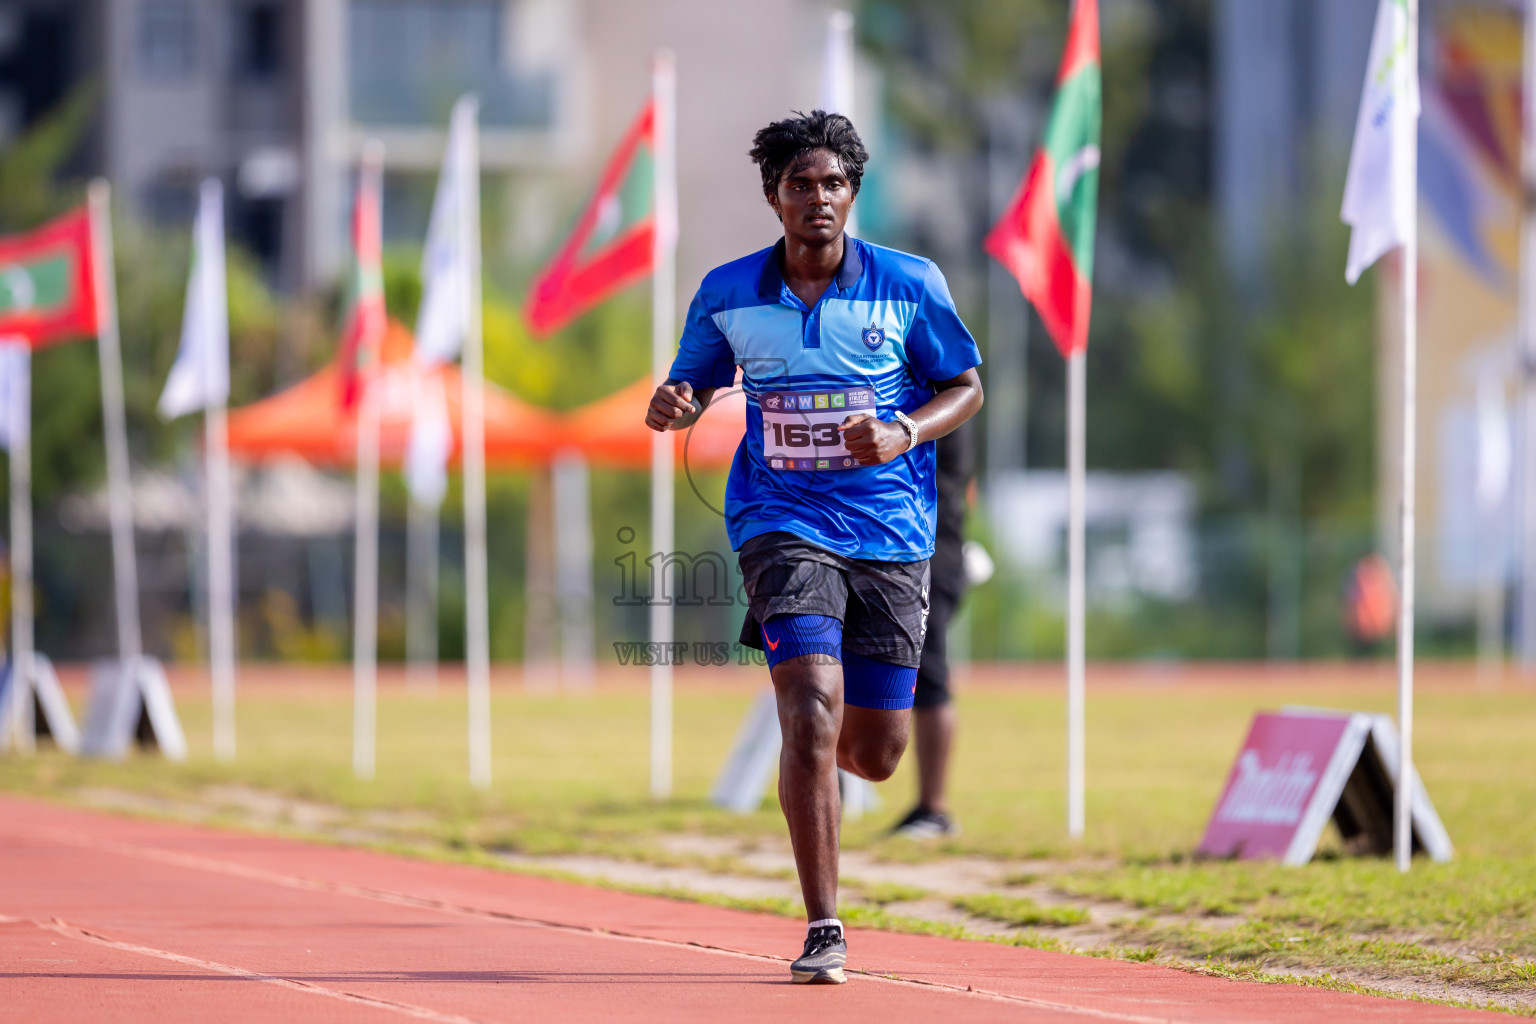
(824, 923)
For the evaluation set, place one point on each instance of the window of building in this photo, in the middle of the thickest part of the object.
(170, 198)
(257, 226)
(410, 59)
(167, 38)
(259, 40)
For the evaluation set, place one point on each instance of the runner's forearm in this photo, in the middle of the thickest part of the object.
(957, 400)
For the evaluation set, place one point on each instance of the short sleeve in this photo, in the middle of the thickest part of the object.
(704, 359)
(938, 344)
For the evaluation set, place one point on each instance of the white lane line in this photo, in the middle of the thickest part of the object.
(71, 931)
(49, 832)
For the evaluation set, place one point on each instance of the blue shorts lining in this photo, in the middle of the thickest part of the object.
(880, 685)
(867, 682)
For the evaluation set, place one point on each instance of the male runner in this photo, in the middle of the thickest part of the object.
(854, 359)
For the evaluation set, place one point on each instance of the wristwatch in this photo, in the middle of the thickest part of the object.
(910, 426)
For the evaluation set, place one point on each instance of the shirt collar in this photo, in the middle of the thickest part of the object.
(849, 271)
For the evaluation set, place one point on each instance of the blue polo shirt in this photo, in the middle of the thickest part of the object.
(886, 323)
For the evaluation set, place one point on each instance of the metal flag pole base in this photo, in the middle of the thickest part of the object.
(131, 701)
(37, 707)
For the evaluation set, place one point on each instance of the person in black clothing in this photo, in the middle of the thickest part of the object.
(933, 717)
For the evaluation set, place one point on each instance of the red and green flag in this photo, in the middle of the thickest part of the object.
(613, 244)
(365, 323)
(1045, 237)
(46, 289)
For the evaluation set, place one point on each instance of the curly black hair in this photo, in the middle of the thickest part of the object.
(781, 146)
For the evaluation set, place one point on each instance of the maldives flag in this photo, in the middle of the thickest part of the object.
(614, 243)
(365, 322)
(46, 291)
(1045, 237)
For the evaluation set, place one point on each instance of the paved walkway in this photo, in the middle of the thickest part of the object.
(111, 918)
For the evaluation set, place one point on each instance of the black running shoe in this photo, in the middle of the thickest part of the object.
(822, 962)
(922, 823)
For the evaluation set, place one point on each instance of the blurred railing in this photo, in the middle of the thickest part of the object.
(1260, 591)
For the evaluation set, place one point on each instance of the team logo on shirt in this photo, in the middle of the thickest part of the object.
(873, 336)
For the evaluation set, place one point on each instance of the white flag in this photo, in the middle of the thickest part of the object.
(431, 443)
(15, 391)
(443, 320)
(1378, 203)
(200, 377)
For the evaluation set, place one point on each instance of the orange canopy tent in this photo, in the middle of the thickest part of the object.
(611, 431)
(308, 420)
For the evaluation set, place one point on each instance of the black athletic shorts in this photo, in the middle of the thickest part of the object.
(883, 606)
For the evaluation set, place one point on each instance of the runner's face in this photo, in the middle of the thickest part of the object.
(813, 198)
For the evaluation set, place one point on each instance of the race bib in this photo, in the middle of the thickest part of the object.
(800, 427)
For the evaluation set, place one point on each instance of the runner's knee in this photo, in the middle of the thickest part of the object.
(872, 757)
(808, 714)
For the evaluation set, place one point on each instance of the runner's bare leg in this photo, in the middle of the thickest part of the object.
(813, 722)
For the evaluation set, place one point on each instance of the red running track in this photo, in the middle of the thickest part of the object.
(106, 918)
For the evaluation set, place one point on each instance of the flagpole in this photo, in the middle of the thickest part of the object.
(365, 580)
(221, 572)
(119, 489)
(1407, 152)
(477, 609)
(365, 586)
(1525, 625)
(221, 576)
(663, 286)
(837, 83)
(23, 729)
(1077, 460)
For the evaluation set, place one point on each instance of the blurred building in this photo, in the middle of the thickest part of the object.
(1287, 77)
(1140, 532)
(42, 55)
(276, 97)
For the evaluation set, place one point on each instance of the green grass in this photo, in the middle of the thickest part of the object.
(1021, 878)
(571, 775)
(1019, 911)
(882, 893)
